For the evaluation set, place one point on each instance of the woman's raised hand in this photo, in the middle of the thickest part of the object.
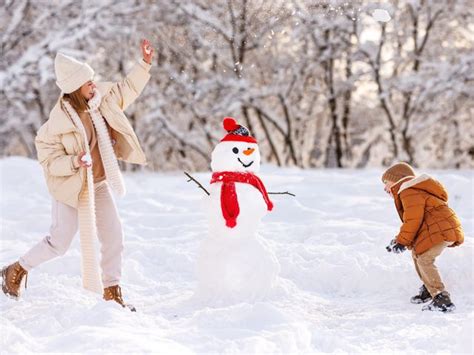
(147, 50)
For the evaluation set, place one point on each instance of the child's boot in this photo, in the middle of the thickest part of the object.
(441, 302)
(423, 297)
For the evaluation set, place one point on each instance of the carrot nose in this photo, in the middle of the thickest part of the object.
(249, 151)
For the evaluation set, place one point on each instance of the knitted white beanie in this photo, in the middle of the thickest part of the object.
(70, 73)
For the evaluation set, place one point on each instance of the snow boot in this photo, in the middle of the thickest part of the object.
(441, 302)
(114, 293)
(12, 276)
(423, 297)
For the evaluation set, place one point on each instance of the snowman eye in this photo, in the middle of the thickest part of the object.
(235, 150)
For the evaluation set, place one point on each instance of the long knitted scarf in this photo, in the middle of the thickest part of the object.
(229, 203)
(109, 160)
(86, 208)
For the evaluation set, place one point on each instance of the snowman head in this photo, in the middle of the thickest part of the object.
(237, 151)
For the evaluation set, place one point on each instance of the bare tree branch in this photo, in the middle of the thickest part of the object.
(197, 183)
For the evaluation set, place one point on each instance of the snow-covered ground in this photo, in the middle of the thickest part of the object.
(338, 291)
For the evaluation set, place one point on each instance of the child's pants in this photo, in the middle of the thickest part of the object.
(64, 226)
(427, 270)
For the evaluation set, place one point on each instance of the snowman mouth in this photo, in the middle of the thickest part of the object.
(243, 164)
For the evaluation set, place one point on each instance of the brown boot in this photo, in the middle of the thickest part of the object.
(114, 293)
(12, 276)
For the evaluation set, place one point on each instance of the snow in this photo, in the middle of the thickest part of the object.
(381, 15)
(87, 159)
(338, 289)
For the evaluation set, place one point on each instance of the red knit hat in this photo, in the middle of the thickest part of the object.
(236, 132)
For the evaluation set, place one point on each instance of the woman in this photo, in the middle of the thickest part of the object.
(78, 148)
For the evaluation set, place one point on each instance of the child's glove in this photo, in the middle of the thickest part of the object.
(399, 248)
(395, 247)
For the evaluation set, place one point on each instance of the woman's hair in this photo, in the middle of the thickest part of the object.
(77, 101)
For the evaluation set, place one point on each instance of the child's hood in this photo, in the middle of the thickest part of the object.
(426, 183)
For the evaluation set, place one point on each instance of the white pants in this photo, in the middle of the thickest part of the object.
(64, 227)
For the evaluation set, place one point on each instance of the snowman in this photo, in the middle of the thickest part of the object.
(235, 264)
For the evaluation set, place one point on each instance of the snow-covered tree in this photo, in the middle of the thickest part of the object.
(319, 83)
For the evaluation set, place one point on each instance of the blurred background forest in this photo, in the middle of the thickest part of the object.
(319, 83)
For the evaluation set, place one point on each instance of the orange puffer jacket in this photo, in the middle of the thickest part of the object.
(427, 220)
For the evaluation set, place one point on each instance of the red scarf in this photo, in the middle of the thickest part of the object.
(229, 203)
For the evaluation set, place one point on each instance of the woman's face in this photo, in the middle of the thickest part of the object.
(87, 90)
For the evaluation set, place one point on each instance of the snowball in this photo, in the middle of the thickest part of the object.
(381, 15)
(87, 159)
(236, 264)
(230, 156)
(235, 269)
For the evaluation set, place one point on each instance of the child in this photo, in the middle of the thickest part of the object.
(429, 226)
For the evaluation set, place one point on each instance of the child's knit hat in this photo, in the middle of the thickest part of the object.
(397, 172)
